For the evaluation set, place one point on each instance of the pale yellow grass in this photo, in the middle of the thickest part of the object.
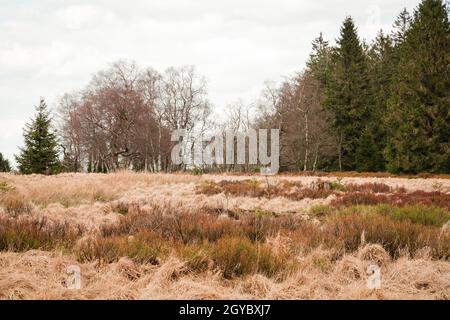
(185, 195)
(75, 189)
(88, 198)
(42, 275)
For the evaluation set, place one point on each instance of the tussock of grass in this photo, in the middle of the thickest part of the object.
(15, 204)
(25, 234)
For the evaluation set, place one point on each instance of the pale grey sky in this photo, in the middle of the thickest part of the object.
(49, 47)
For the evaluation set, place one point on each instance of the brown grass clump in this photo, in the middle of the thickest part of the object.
(24, 234)
(15, 204)
(374, 253)
(42, 275)
(349, 269)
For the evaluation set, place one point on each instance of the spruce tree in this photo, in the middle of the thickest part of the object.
(348, 93)
(419, 107)
(401, 27)
(319, 60)
(40, 154)
(4, 164)
(369, 155)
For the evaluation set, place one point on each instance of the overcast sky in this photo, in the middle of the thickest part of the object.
(49, 47)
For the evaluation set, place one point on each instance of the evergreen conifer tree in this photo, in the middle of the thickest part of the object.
(369, 155)
(4, 164)
(419, 106)
(40, 153)
(348, 94)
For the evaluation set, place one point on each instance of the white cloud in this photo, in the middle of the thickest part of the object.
(50, 47)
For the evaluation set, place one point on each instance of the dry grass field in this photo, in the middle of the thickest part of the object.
(158, 236)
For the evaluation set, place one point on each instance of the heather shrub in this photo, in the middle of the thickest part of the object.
(370, 187)
(22, 234)
(399, 199)
(252, 188)
(350, 228)
(208, 188)
(237, 256)
(393, 234)
(198, 258)
(144, 247)
(419, 197)
(338, 185)
(360, 198)
(178, 224)
(426, 215)
(320, 210)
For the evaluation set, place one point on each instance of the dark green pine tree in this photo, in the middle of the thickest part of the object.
(401, 27)
(348, 94)
(369, 155)
(319, 60)
(40, 154)
(419, 106)
(4, 164)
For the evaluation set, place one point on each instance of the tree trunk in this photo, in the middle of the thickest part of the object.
(305, 165)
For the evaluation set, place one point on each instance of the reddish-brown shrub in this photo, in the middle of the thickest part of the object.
(360, 198)
(368, 187)
(436, 198)
(179, 224)
(343, 232)
(22, 234)
(252, 188)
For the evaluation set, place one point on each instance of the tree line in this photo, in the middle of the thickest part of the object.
(355, 106)
(371, 107)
